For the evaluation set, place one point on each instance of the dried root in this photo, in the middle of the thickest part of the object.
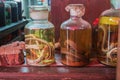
(38, 47)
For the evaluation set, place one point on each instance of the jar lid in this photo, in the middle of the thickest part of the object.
(36, 7)
(38, 12)
(75, 9)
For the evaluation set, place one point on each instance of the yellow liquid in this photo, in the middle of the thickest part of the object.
(39, 46)
(108, 41)
(75, 46)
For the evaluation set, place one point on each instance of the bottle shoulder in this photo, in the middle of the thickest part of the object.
(77, 23)
(39, 24)
(111, 12)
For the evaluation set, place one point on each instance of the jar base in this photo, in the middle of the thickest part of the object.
(70, 63)
(108, 63)
(42, 63)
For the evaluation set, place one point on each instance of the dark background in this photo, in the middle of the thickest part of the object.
(93, 9)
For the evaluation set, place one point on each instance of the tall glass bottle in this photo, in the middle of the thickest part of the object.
(39, 38)
(75, 37)
(108, 34)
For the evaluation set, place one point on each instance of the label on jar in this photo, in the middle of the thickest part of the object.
(109, 20)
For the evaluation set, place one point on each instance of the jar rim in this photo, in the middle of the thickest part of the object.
(36, 7)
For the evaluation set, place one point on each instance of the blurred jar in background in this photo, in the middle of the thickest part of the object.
(19, 3)
(7, 14)
(2, 14)
(14, 10)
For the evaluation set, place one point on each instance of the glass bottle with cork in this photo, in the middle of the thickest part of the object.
(75, 37)
(39, 38)
(108, 34)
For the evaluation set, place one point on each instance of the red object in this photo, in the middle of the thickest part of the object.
(96, 21)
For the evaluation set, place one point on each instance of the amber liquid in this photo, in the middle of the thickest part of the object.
(75, 46)
(39, 46)
(118, 57)
(107, 44)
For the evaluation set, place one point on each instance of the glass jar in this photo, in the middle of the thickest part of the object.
(75, 37)
(14, 10)
(7, 14)
(19, 3)
(2, 14)
(39, 38)
(108, 34)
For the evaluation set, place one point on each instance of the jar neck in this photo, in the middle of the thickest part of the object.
(39, 14)
(37, 20)
(75, 18)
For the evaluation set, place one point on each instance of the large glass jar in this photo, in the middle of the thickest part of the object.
(39, 38)
(75, 37)
(108, 34)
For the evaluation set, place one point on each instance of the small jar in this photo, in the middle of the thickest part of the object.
(7, 14)
(2, 14)
(108, 34)
(19, 3)
(39, 38)
(14, 10)
(75, 37)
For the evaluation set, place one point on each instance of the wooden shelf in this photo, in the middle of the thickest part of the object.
(57, 71)
(20, 38)
(5, 30)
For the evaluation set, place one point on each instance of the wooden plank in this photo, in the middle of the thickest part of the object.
(57, 73)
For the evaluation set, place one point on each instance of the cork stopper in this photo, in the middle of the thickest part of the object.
(38, 12)
(75, 9)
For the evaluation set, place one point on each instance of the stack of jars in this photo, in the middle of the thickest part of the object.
(75, 37)
(10, 12)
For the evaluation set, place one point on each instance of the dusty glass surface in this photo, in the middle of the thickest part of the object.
(108, 35)
(39, 38)
(75, 37)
